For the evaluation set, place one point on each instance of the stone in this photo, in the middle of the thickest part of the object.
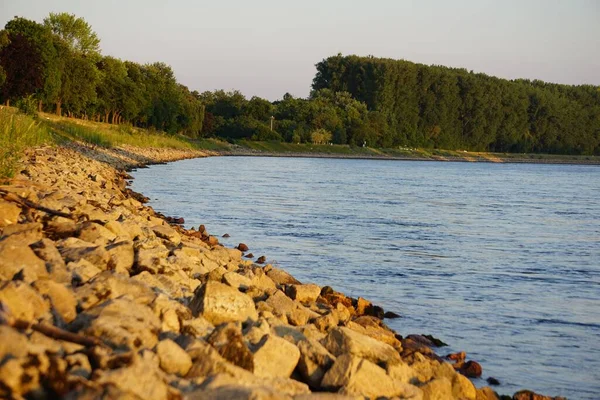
(374, 327)
(109, 285)
(227, 339)
(82, 271)
(304, 293)
(529, 395)
(471, 369)
(280, 277)
(61, 298)
(22, 301)
(60, 228)
(95, 233)
(197, 327)
(492, 381)
(486, 393)
(401, 372)
(314, 361)
(261, 260)
(141, 379)
(237, 392)
(167, 233)
(13, 343)
(152, 260)
(80, 250)
(341, 340)
(9, 213)
(463, 388)
(295, 312)
(438, 389)
(219, 303)
(121, 255)
(55, 265)
(23, 233)
(275, 357)
(242, 247)
(16, 257)
(237, 281)
(173, 359)
(121, 323)
(355, 376)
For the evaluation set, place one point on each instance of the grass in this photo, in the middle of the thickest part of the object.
(282, 147)
(18, 132)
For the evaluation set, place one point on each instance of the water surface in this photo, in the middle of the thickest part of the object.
(499, 260)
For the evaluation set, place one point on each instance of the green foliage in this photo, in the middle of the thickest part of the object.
(439, 107)
(18, 132)
(27, 105)
(321, 136)
(76, 33)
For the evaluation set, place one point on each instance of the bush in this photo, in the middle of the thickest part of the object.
(27, 105)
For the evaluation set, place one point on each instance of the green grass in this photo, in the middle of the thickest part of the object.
(18, 132)
(291, 148)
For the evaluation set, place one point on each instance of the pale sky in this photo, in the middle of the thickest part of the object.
(269, 47)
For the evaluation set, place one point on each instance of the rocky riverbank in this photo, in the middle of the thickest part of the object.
(101, 297)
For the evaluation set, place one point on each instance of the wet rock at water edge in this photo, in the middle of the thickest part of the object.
(226, 235)
(261, 260)
(249, 255)
(436, 342)
(471, 369)
(493, 381)
(391, 315)
(242, 247)
(529, 395)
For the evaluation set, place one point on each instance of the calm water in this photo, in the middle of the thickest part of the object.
(499, 260)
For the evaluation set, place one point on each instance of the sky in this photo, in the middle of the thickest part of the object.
(269, 47)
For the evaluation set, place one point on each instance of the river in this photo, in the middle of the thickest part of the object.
(499, 260)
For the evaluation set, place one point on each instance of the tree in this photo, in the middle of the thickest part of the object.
(76, 33)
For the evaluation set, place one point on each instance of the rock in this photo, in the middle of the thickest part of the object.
(486, 393)
(13, 343)
(435, 341)
(79, 365)
(463, 388)
(219, 303)
(25, 234)
(242, 247)
(471, 369)
(9, 213)
(61, 228)
(95, 233)
(236, 281)
(303, 293)
(280, 277)
(492, 381)
(74, 251)
(438, 389)
(391, 315)
(375, 328)
(314, 361)
(16, 257)
(249, 255)
(22, 301)
(237, 392)
(61, 298)
(121, 256)
(55, 265)
(141, 379)
(226, 235)
(197, 327)
(261, 260)
(275, 357)
(295, 313)
(173, 359)
(341, 340)
(110, 285)
(121, 323)
(529, 395)
(355, 376)
(402, 372)
(167, 233)
(82, 271)
(227, 339)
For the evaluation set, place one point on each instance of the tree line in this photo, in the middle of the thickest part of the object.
(58, 66)
(451, 108)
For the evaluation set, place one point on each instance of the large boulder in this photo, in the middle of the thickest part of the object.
(15, 257)
(219, 303)
(22, 301)
(280, 277)
(9, 213)
(341, 340)
(314, 361)
(304, 293)
(61, 298)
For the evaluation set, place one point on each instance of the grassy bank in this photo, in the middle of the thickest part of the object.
(19, 131)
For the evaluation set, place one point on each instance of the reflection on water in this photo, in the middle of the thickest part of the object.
(502, 261)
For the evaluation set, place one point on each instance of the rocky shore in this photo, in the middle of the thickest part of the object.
(103, 298)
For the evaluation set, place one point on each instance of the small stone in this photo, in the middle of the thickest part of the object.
(173, 359)
(242, 247)
(168, 233)
(493, 381)
(249, 255)
(280, 277)
(471, 369)
(226, 235)
(261, 260)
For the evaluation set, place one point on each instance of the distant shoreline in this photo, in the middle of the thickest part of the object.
(489, 158)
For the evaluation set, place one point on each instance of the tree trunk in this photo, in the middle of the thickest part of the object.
(7, 103)
(58, 108)
(40, 106)
(106, 117)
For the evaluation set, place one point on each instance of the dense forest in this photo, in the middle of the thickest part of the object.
(435, 106)
(57, 66)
